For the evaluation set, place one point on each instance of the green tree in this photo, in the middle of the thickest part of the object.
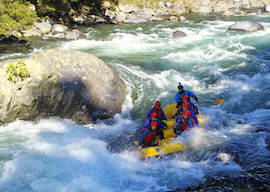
(15, 15)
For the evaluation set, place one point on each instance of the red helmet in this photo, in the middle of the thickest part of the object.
(154, 115)
(185, 97)
(185, 105)
(154, 124)
(157, 104)
(186, 112)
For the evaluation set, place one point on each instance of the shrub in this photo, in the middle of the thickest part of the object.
(15, 15)
(17, 71)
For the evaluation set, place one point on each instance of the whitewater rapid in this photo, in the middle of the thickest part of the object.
(58, 155)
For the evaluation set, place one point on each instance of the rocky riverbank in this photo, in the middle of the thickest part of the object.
(64, 26)
(65, 83)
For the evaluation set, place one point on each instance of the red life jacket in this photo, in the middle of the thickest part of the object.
(158, 111)
(185, 125)
(149, 137)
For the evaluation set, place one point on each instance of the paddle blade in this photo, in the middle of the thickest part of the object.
(219, 101)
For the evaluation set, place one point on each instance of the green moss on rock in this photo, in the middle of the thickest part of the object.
(17, 71)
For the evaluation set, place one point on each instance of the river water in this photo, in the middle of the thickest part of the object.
(58, 155)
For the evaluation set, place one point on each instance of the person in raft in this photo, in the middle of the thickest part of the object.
(156, 109)
(184, 123)
(160, 127)
(181, 92)
(186, 107)
(186, 99)
(148, 135)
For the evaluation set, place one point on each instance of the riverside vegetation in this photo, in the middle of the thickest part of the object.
(19, 15)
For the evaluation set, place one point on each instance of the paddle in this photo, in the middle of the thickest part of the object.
(216, 102)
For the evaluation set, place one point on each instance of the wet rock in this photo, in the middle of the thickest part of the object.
(106, 5)
(205, 9)
(146, 13)
(32, 33)
(228, 13)
(176, 9)
(163, 12)
(59, 28)
(44, 26)
(128, 8)
(178, 34)
(246, 26)
(173, 18)
(58, 36)
(65, 83)
(235, 10)
(136, 20)
(74, 35)
(12, 39)
(120, 17)
(110, 14)
(182, 19)
(156, 19)
(100, 20)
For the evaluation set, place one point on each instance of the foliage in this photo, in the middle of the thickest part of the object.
(52, 8)
(15, 15)
(17, 71)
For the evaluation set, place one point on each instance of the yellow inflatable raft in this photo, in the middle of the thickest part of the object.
(167, 145)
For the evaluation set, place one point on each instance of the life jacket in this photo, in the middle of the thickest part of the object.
(184, 94)
(158, 111)
(185, 124)
(149, 137)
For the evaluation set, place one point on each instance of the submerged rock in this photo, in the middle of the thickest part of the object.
(178, 34)
(65, 83)
(246, 26)
(74, 35)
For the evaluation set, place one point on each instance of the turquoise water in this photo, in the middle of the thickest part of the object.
(58, 155)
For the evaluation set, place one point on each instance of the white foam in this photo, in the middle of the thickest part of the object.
(74, 159)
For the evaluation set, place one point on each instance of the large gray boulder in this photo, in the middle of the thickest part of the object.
(246, 26)
(65, 83)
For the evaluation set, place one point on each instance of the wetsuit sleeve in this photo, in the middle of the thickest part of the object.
(190, 124)
(148, 113)
(160, 124)
(142, 136)
(189, 93)
(193, 116)
(147, 123)
(163, 117)
(177, 97)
